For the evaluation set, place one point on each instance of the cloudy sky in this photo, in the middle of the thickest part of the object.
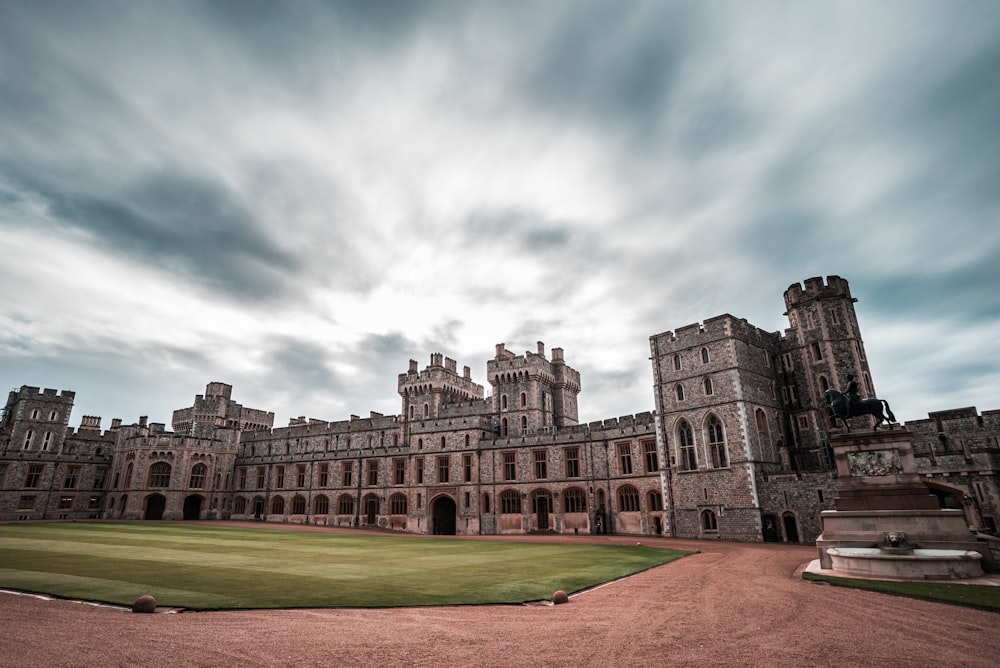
(297, 198)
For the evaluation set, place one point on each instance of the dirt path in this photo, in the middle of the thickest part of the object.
(731, 604)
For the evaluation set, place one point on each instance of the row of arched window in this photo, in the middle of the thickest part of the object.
(398, 504)
(574, 500)
(715, 438)
(706, 385)
(705, 359)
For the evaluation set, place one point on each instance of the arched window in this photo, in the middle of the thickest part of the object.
(628, 499)
(680, 392)
(128, 475)
(655, 500)
(708, 386)
(466, 440)
(761, 418)
(298, 505)
(717, 443)
(574, 500)
(397, 504)
(278, 505)
(27, 439)
(443, 442)
(503, 402)
(524, 400)
(524, 423)
(411, 412)
(704, 355)
(427, 410)
(159, 475)
(685, 437)
(321, 505)
(53, 415)
(677, 362)
(510, 502)
(345, 504)
(503, 427)
(239, 505)
(708, 521)
(486, 503)
(198, 472)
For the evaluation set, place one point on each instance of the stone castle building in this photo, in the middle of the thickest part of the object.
(736, 448)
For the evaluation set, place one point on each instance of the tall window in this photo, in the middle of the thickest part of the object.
(510, 502)
(628, 499)
(704, 355)
(686, 439)
(418, 463)
(572, 462)
(509, 466)
(348, 474)
(708, 521)
(397, 504)
(708, 387)
(655, 500)
(541, 465)
(717, 443)
(649, 454)
(321, 505)
(159, 475)
(241, 481)
(467, 467)
(100, 475)
(278, 506)
(239, 505)
(300, 475)
(574, 500)
(198, 472)
(324, 477)
(261, 472)
(625, 458)
(345, 504)
(444, 468)
(279, 477)
(372, 472)
(72, 477)
(400, 471)
(524, 400)
(46, 440)
(524, 423)
(679, 390)
(677, 362)
(27, 439)
(298, 505)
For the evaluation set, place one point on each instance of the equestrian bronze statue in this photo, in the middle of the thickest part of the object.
(849, 404)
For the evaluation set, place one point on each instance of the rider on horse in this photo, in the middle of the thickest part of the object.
(853, 398)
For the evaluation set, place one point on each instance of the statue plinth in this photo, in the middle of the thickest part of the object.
(881, 492)
(877, 471)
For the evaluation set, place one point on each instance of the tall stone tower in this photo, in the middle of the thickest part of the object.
(425, 392)
(35, 420)
(821, 346)
(531, 393)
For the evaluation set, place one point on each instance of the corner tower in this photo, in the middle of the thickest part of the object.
(532, 393)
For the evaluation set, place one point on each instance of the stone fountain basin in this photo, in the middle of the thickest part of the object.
(915, 564)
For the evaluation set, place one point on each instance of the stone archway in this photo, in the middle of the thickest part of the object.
(155, 505)
(444, 514)
(192, 507)
(791, 528)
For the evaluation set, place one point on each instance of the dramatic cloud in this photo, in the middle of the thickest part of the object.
(297, 198)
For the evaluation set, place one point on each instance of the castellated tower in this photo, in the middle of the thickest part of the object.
(821, 346)
(531, 393)
(36, 420)
(425, 392)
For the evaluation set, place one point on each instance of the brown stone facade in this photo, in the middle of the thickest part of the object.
(737, 448)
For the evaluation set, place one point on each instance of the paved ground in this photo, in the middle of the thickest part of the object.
(732, 604)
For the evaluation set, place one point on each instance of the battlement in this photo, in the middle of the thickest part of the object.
(815, 288)
(90, 422)
(440, 375)
(721, 326)
(31, 392)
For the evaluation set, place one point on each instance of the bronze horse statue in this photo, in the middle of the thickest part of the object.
(843, 408)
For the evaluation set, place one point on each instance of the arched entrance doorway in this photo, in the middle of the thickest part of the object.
(791, 528)
(192, 507)
(370, 505)
(541, 502)
(443, 516)
(155, 505)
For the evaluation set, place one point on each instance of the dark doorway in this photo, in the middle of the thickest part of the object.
(770, 525)
(155, 505)
(658, 525)
(542, 502)
(371, 509)
(791, 530)
(192, 507)
(443, 513)
(258, 508)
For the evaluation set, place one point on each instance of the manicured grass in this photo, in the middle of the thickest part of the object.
(973, 595)
(207, 567)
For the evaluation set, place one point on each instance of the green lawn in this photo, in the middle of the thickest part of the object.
(207, 567)
(979, 596)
